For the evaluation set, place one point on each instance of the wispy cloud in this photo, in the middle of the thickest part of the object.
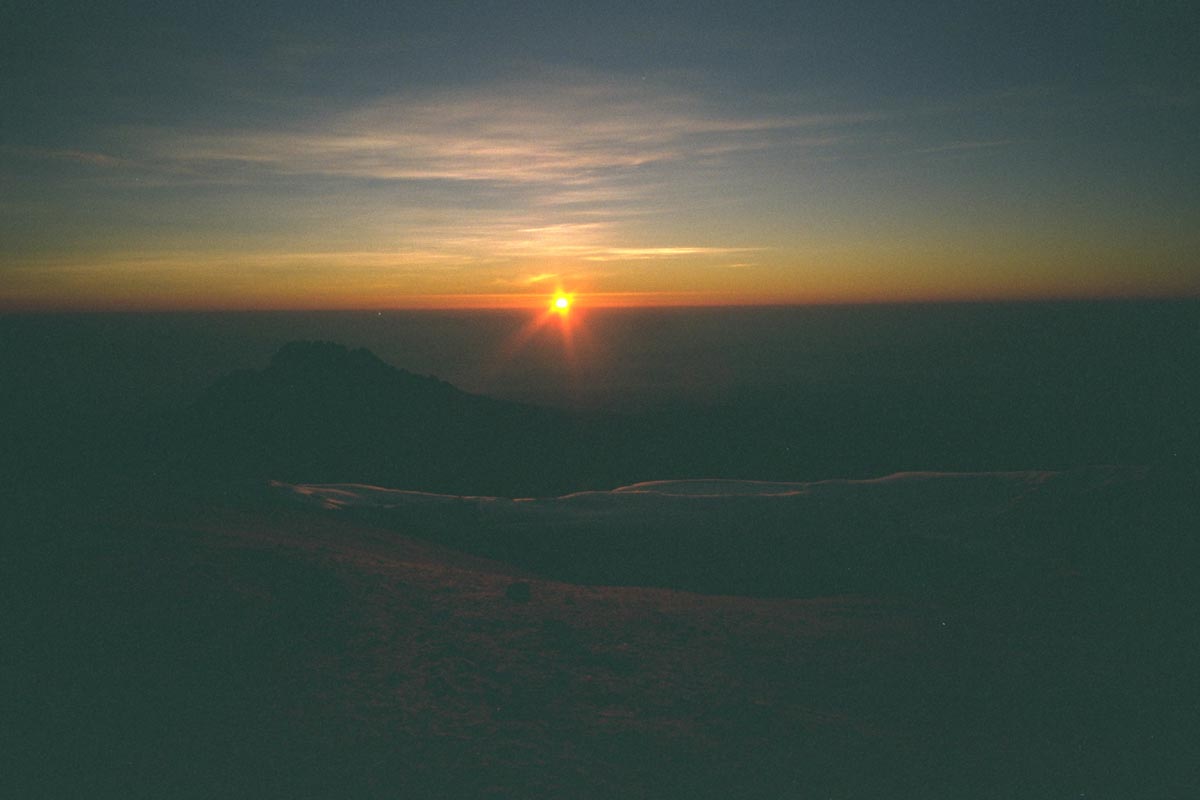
(91, 158)
(502, 240)
(526, 280)
(530, 280)
(580, 138)
(643, 253)
(519, 183)
(966, 146)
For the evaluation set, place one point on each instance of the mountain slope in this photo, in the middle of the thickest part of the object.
(322, 412)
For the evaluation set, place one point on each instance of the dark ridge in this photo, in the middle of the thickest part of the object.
(312, 357)
(322, 412)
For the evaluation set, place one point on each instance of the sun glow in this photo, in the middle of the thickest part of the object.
(557, 318)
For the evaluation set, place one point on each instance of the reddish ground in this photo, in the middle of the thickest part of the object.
(250, 652)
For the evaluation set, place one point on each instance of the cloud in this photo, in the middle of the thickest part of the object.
(953, 147)
(504, 239)
(643, 253)
(579, 137)
(540, 177)
(530, 280)
(91, 158)
(526, 280)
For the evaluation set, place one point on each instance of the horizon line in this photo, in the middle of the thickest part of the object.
(598, 300)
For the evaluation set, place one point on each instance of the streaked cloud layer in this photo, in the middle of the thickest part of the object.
(358, 161)
(565, 134)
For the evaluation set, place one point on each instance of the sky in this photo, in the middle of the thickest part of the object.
(209, 155)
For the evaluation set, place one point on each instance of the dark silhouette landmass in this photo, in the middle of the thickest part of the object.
(323, 413)
(176, 626)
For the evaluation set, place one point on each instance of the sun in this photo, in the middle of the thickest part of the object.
(559, 315)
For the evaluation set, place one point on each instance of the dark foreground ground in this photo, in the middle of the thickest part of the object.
(241, 648)
(172, 628)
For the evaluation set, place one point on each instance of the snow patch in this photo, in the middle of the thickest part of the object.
(960, 506)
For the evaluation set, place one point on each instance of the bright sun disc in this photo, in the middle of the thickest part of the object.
(562, 302)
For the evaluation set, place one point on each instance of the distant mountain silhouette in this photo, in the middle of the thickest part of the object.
(320, 411)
